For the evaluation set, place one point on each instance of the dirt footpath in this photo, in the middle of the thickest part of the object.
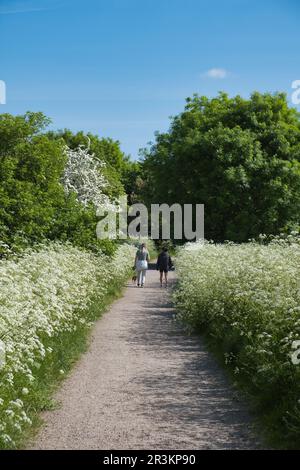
(145, 384)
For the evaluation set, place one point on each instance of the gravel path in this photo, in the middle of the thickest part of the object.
(145, 384)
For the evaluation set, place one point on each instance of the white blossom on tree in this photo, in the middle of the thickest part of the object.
(84, 176)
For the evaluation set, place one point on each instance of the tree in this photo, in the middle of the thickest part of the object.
(44, 193)
(83, 175)
(238, 157)
(105, 150)
(30, 169)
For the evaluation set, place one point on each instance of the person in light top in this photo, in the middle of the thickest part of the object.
(141, 264)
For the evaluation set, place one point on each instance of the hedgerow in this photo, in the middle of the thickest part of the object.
(246, 299)
(49, 298)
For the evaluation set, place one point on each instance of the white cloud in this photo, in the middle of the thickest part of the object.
(216, 73)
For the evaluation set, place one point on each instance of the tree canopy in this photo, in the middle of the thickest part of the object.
(34, 168)
(239, 157)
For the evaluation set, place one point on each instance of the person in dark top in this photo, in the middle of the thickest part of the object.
(164, 263)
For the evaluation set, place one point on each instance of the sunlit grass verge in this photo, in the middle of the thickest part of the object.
(48, 301)
(246, 299)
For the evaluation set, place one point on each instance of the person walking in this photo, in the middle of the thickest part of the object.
(163, 265)
(141, 264)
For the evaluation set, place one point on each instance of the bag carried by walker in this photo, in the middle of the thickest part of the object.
(141, 264)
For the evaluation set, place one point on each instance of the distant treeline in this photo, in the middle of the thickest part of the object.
(239, 157)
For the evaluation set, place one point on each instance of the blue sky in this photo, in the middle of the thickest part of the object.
(121, 68)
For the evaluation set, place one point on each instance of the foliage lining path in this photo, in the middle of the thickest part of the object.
(145, 384)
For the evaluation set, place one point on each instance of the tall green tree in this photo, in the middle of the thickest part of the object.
(30, 169)
(34, 205)
(239, 157)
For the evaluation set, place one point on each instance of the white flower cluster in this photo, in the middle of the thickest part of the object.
(83, 175)
(42, 294)
(247, 298)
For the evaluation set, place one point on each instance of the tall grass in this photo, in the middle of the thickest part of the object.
(48, 300)
(246, 298)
